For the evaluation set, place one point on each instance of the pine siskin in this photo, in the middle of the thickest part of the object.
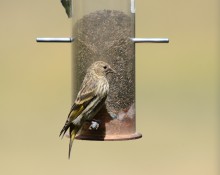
(90, 99)
(67, 4)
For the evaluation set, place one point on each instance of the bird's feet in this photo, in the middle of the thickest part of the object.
(94, 125)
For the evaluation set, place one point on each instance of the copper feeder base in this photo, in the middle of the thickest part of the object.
(109, 137)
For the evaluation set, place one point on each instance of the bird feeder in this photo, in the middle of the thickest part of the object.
(104, 30)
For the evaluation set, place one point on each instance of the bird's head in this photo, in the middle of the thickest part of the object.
(102, 68)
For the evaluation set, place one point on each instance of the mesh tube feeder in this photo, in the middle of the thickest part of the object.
(104, 30)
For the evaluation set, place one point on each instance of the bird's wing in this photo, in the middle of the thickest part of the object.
(84, 98)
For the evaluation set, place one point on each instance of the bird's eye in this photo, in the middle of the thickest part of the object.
(105, 67)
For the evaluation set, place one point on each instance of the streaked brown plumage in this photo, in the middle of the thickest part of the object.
(90, 99)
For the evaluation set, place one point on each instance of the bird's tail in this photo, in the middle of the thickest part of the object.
(65, 128)
(73, 129)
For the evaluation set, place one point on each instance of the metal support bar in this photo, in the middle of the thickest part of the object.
(135, 40)
(150, 40)
(55, 40)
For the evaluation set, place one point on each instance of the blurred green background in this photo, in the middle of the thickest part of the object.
(177, 93)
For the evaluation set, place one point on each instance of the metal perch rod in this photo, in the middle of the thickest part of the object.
(135, 40)
(55, 40)
(150, 40)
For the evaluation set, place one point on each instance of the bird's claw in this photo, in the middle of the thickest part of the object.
(94, 125)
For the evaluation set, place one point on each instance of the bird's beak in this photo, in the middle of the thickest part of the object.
(112, 70)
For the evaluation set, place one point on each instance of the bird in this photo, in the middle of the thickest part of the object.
(67, 4)
(90, 99)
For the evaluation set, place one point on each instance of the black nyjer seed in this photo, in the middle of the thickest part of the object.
(105, 35)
